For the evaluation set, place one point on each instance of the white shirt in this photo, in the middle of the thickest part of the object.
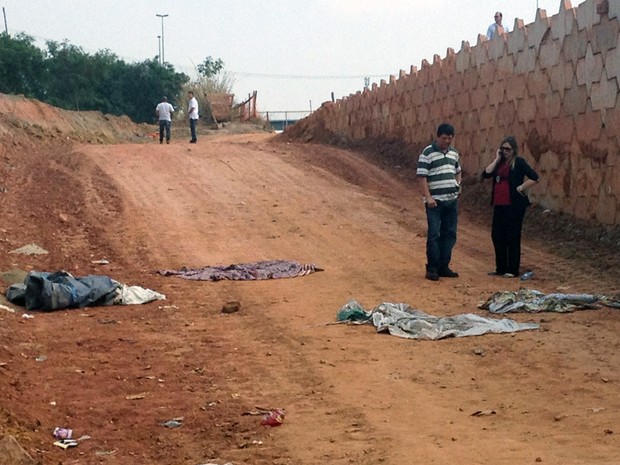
(164, 111)
(192, 108)
(492, 30)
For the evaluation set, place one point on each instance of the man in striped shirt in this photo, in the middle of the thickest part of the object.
(439, 176)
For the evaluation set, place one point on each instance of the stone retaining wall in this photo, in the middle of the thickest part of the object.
(553, 84)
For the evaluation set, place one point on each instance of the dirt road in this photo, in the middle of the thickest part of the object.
(351, 396)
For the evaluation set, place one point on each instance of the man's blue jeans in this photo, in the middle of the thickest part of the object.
(442, 223)
(192, 127)
(164, 126)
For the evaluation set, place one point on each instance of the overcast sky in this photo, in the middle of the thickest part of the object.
(294, 53)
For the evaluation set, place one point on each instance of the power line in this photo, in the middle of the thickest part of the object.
(296, 76)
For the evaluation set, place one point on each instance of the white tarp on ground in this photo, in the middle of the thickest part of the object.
(532, 301)
(401, 320)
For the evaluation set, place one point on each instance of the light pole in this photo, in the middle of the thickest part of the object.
(162, 36)
(159, 56)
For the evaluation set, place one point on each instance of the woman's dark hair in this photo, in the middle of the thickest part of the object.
(510, 140)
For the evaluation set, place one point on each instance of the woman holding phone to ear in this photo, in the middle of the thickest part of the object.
(509, 198)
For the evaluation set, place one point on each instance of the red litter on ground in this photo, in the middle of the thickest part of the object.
(273, 418)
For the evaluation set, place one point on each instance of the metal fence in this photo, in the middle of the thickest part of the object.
(279, 120)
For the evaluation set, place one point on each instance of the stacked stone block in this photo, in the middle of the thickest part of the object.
(553, 84)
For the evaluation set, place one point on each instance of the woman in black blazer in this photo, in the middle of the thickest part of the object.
(509, 172)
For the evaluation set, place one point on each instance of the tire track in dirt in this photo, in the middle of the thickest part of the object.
(354, 395)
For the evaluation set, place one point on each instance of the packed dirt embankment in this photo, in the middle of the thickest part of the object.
(182, 382)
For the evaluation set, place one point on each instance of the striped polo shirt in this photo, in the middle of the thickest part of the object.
(440, 171)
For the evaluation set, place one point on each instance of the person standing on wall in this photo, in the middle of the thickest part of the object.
(164, 114)
(509, 198)
(497, 27)
(439, 175)
(192, 113)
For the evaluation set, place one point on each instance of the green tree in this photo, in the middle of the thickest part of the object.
(21, 66)
(210, 67)
(67, 77)
(71, 77)
(212, 79)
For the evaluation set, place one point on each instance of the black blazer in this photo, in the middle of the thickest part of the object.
(518, 172)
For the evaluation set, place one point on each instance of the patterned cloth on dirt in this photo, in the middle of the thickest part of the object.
(270, 269)
(531, 301)
(403, 321)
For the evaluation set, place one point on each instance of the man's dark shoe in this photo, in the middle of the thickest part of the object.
(448, 273)
(193, 141)
(432, 275)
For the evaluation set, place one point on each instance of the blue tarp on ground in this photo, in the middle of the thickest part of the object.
(53, 291)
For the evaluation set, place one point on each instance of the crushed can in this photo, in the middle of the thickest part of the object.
(62, 433)
(527, 275)
(273, 418)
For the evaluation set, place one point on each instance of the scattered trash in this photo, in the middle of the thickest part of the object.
(479, 351)
(527, 275)
(273, 418)
(100, 262)
(41, 358)
(482, 413)
(174, 423)
(105, 452)
(66, 443)
(30, 249)
(62, 433)
(231, 307)
(596, 409)
(166, 307)
(27, 316)
(8, 309)
(142, 395)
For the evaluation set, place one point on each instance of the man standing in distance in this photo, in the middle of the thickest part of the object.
(192, 113)
(164, 115)
(497, 27)
(439, 175)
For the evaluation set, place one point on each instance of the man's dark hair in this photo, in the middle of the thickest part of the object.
(446, 129)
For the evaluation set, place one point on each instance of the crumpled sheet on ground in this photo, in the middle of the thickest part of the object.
(268, 269)
(401, 320)
(54, 291)
(532, 301)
